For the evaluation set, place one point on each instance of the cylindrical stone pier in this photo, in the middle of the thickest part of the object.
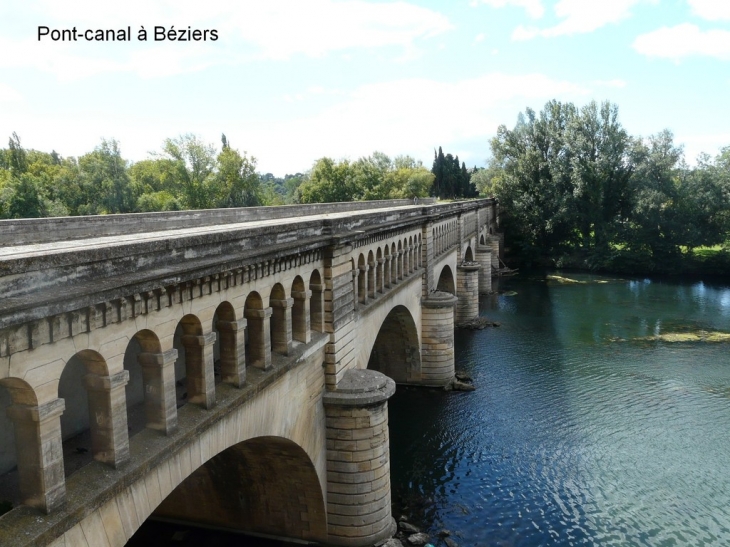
(358, 459)
(437, 338)
(467, 291)
(484, 257)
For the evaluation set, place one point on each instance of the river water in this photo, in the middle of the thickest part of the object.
(586, 428)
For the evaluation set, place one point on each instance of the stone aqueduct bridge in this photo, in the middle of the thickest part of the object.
(228, 367)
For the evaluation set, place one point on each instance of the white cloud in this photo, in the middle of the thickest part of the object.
(276, 29)
(8, 94)
(615, 83)
(684, 40)
(713, 10)
(479, 38)
(698, 143)
(580, 16)
(390, 117)
(534, 8)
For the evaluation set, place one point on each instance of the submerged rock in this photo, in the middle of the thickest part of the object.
(408, 528)
(393, 542)
(450, 543)
(478, 323)
(462, 386)
(462, 376)
(420, 538)
(679, 337)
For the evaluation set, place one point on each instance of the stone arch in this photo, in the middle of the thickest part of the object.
(362, 296)
(468, 254)
(258, 345)
(194, 365)
(13, 391)
(481, 240)
(316, 305)
(396, 352)
(145, 391)
(399, 274)
(94, 421)
(411, 255)
(300, 315)
(265, 485)
(229, 348)
(280, 324)
(446, 281)
(386, 266)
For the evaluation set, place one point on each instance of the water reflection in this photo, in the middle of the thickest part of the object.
(577, 434)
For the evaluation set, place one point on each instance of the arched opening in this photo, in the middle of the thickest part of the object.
(300, 316)
(446, 281)
(411, 255)
(258, 345)
(280, 325)
(14, 442)
(379, 270)
(266, 485)
(362, 280)
(396, 351)
(371, 275)
(400, 260)
(229, 348)
(88, 390)
(316, 305)
(481, 240)
(194, 365)
(386, 268)
(393, 265)
(468, 255)
(145, 391)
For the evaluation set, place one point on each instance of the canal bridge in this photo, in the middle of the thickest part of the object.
(225, 367)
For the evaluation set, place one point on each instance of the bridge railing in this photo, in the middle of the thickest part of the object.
(47, 230)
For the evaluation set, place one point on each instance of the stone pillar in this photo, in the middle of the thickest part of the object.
(199, 368)
(233, 351)
(362, 284)
(317, 307)
(356, 287)
(301, 316)
(399, 262)
(386, 273)
(160, 399)
(467, 291)
(494, 245)
(484, 258)
(380, 277)
(358, 459)
(40, 453)
(281, 331)
(437, 338)
(372, 279)
(108, 413)
(259, 337)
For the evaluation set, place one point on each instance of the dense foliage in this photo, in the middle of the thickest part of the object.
(187, 174)
(451, 179)
(576, 189)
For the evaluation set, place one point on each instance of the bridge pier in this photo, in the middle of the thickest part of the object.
(437, 335)
(467, 289)
(358, 459)
(40, 453)
(158, 375)
(484, 257)
(233, 351)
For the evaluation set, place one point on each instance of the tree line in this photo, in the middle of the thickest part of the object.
(577, 190)
(188, 173)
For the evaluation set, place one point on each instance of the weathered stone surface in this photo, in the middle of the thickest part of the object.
(408, 528)
(420, 538)
(187, 307)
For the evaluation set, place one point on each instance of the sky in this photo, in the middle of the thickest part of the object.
(291, 81)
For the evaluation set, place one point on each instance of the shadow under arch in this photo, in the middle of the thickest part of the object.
(395, 351)
(468, 255)
(446, 281)
(265, 485)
